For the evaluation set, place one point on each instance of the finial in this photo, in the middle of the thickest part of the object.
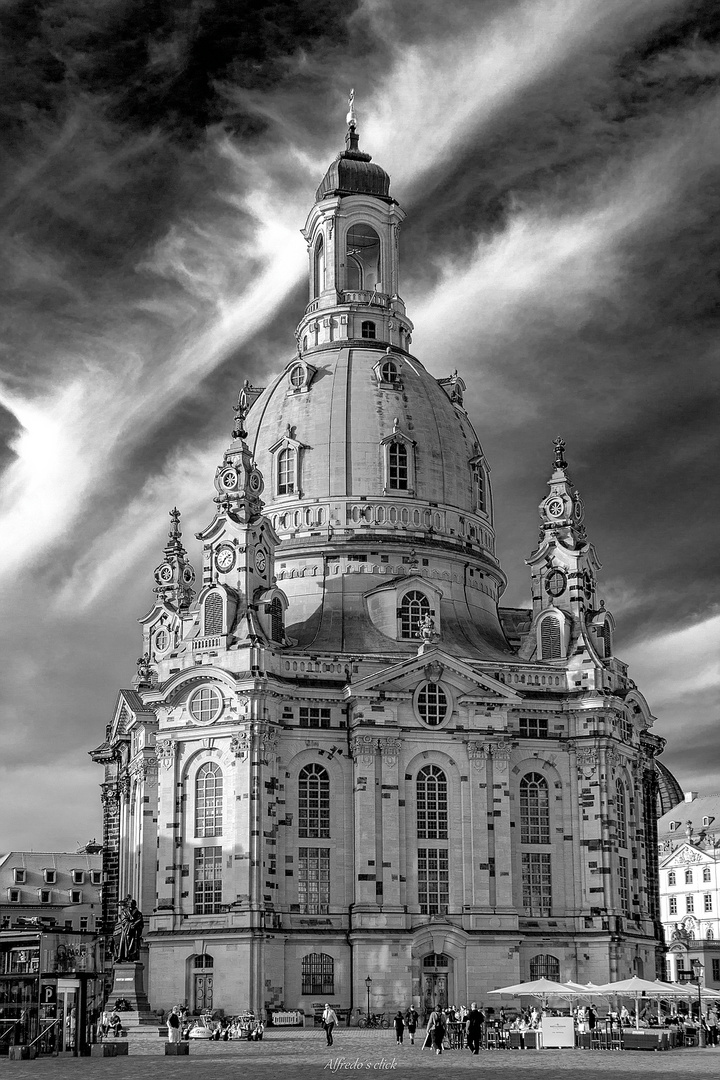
(175, 533)
(351, 118)
(560, 462)
(241, 411)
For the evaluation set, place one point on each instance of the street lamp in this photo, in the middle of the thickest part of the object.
(697, 967)
(368, 984)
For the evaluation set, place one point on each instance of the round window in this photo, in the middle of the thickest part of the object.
(162, 640)
(556, 583)
(432, 703)
(205, 705)
(297, 376)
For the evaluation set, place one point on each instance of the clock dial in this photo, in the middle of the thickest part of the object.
(188, 575)
(229, 479)
(556, 583)
(255, 482)
(260, 560)
(224, 558)
(165, 573)
(555, 507)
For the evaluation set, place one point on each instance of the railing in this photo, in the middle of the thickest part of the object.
(207, 643)
(366, 296)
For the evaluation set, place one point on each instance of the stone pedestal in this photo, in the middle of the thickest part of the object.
(128, 984)
(181, 1049)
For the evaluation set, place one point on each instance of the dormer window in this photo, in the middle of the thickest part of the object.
(674, 825)
(96, 877)
(300, 375)
(13, 896)
(399, 462)
(50, 876)
(414, 607)
(75, 896)
(480, 493)
(44, 896)
(19, 875)
(368, 330)
(286, 471)
(78, 877)
(388, 372)
(707, 820)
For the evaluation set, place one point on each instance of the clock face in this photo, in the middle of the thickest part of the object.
(165, 573)
(555, 507)
(229, 479)
(224, 558)
(188, 575)
(255, 482)
(579, 509)
(260, 560)
(556, 583)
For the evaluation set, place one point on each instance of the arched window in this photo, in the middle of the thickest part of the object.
(543, 966)
(621, 813)
(432, 804)
(319, 268)
(313, 801)
(318, 971)
(671, 877)
(706, 873)
(607, 638)
(398, 471)
(550, 639)
(362, 259)
(276, 620)
(688, 877)
(414, 607)
(534, 809)
(709, 935)
(480, 489)
(286, 471)
(208, 800)
(367, 329)
(389, 372)
(213, 614)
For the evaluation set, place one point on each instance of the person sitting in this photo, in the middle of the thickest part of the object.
(115, 1023)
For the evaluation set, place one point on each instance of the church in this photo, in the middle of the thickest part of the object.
(345, 772)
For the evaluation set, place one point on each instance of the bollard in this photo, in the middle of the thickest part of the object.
(177, 1049)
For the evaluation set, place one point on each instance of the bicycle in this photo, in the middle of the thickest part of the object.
(374, 1020)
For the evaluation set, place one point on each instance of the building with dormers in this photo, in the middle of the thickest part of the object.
(57, 888)
(689, 849)
(342, 757)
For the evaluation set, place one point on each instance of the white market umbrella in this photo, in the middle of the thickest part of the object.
(636, 988)
(539, 988)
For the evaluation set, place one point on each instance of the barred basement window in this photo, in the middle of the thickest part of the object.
(621, 813)
(534, 810)
(536, 883)
(550, 639)
(208, 880)
(398, 469)
(432, 804)
(208, 800)
(533, 727)
(433, 881)
(318, 975)
(314, 717)
(213, 614)
(624, 884)
(314, 880)
(414, 608)
(313, 802)
(545, 967)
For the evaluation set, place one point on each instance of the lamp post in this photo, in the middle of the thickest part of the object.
(697, 967)
(368, 984)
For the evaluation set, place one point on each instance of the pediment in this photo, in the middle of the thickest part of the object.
(686, 855)
(129, 708)
(471, 684)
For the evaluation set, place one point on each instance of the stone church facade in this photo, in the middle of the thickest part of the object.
(341, 757)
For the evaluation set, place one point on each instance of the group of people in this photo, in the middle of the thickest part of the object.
(468, 1023)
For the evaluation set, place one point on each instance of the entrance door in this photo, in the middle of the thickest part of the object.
(435, 981)
(68, 1013)
(203, 995)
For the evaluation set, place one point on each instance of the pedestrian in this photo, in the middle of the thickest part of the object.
(474, 1027)
(591, 1018)
(399, 1025)
(104, 1023)
(411, 1022)
(329, 1020)
(436, 1030)
(173, 1025)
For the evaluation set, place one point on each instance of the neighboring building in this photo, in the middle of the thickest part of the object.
(689, 847)
(342, 758)
(62, 888)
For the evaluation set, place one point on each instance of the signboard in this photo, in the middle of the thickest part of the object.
(558, 1031)
(48, 994)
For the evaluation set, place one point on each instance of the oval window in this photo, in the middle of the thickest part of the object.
(432, 704)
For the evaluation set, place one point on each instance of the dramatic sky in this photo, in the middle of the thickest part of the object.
(559, 161)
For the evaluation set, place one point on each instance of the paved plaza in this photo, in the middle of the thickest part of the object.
(303, 1055)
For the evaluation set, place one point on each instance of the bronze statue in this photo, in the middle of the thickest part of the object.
(128, 932)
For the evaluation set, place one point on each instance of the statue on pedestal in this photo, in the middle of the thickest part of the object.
(128, 932)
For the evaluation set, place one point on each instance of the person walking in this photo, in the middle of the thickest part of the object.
(173, 1025)
(329, 1020)
(711, 1022)
(399, 1025)
(436, 1030)
(473, 1028)
(411, 1022)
